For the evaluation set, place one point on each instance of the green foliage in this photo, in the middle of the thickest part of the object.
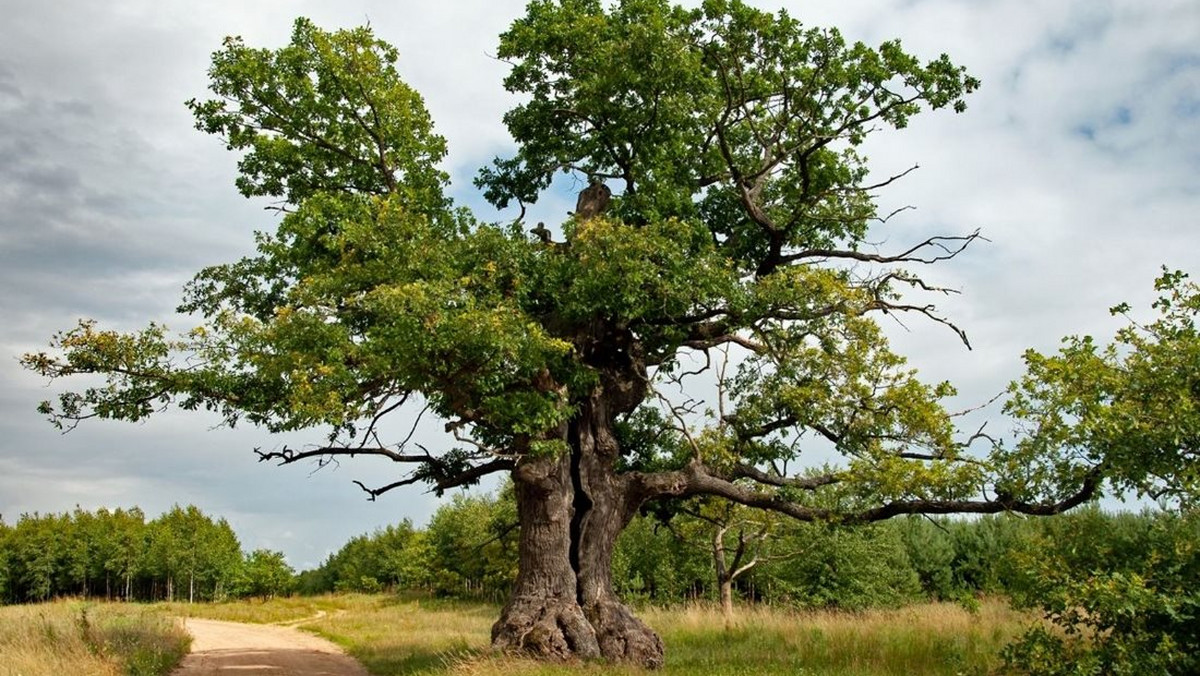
(193, 553)
(118, 554)
(931, 552)
(852, 569)
(473, 540)
(731, 135)
(1135, 613)
(397, 557)
(298, 113)
(265, 574)
(6, 572)
(633, 92)
(650, 564)
(467, 550)
(1129, 411)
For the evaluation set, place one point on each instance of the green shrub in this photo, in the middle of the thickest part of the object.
(1142, 620)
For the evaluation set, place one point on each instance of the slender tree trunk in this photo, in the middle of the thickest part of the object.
(724, 576)
(572, 508)
(727, 601)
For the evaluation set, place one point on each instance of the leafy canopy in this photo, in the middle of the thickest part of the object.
(1129, 410)
(739, 222)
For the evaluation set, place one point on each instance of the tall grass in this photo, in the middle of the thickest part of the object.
(935, 638)
(68, 638)
(414, 635)
(396, 636)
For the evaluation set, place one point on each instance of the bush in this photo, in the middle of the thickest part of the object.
(848, 568)
(1143, 619)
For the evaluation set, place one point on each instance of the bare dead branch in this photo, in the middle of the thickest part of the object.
(287, 456)
(941, 248)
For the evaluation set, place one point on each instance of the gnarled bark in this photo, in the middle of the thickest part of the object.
(543, 617)
(572, 509)
(609, 506)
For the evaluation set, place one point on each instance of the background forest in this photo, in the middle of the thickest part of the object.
(183, 554)
(1126, 576)
(468, 550)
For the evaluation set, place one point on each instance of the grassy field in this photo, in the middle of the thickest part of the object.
(66, 638)
(393, 635)
(396, 635)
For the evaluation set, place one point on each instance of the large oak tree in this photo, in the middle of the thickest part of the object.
(726, 219)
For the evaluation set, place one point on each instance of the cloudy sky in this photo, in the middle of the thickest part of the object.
(1079, 160)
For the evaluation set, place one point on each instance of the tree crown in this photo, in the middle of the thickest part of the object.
(736, 235)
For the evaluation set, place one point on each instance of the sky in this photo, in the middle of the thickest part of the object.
(1079, 161)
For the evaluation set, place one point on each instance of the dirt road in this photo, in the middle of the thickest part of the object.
(251, 649)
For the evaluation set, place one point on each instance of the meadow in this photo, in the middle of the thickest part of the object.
(394, 635)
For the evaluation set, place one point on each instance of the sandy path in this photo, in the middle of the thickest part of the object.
(251, 649)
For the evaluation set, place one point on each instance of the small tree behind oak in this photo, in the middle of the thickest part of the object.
(735, 214)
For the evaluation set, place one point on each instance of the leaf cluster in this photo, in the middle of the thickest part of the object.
(1129, 410)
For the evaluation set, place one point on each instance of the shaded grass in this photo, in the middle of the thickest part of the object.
(70, 637)
(406, 636)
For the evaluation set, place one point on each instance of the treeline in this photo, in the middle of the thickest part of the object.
(699, 551)
(710, 551)
(119, 555)
(468, 550)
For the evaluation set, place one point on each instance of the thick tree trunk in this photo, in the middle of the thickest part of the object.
(605, 507)
(572, 508)
(543, 617)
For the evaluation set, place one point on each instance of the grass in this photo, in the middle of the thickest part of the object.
(393, 636)
(71, 637)
(254, 611)
(924, 639)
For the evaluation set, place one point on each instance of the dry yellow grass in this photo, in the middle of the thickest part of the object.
(44, 641)
(255, 611)
(395, 636)
(69, 638)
